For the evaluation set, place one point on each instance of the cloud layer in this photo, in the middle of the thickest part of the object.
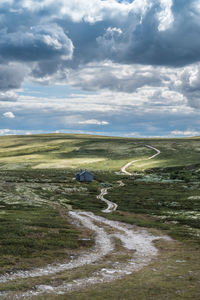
(136, 58)
(154, 32)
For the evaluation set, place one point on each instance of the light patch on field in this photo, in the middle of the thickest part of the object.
(194, 198)
(68, 163)
(23, 158)
(141, 165)
(40, 146)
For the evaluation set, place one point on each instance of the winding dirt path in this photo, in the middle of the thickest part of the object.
(111, 205)
(123, 169)
(137, 242)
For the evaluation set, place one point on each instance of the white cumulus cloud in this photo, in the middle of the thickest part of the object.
(185, 132)
(9, 115)
(4, 131)
(93, 122)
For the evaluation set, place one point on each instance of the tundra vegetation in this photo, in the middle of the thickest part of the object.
(37, 188)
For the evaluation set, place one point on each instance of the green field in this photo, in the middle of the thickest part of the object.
(37, 188)
(58, 151)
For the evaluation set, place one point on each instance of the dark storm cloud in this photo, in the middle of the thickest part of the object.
(11, 76)
(42, 42)
(29, 43)
(176, 44)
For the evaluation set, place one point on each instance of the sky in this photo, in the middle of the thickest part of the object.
(107, 67)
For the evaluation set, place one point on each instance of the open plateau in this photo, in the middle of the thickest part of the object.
(131, 233)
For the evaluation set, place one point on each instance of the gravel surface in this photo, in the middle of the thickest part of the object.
(123, 169)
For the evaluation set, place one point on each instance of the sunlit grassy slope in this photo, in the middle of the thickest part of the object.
(93, 152)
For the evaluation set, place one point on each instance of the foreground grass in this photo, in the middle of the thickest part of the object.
(32, 237)
(34, 227)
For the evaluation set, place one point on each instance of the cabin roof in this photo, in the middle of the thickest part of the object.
(85, 172)
(84, 176)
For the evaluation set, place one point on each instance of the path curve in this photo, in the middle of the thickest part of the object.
(111, 205)
(123, 169)
(137, 241)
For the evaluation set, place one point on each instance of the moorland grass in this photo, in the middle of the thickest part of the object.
(96, 153)
(37, 188)
(33, 229)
